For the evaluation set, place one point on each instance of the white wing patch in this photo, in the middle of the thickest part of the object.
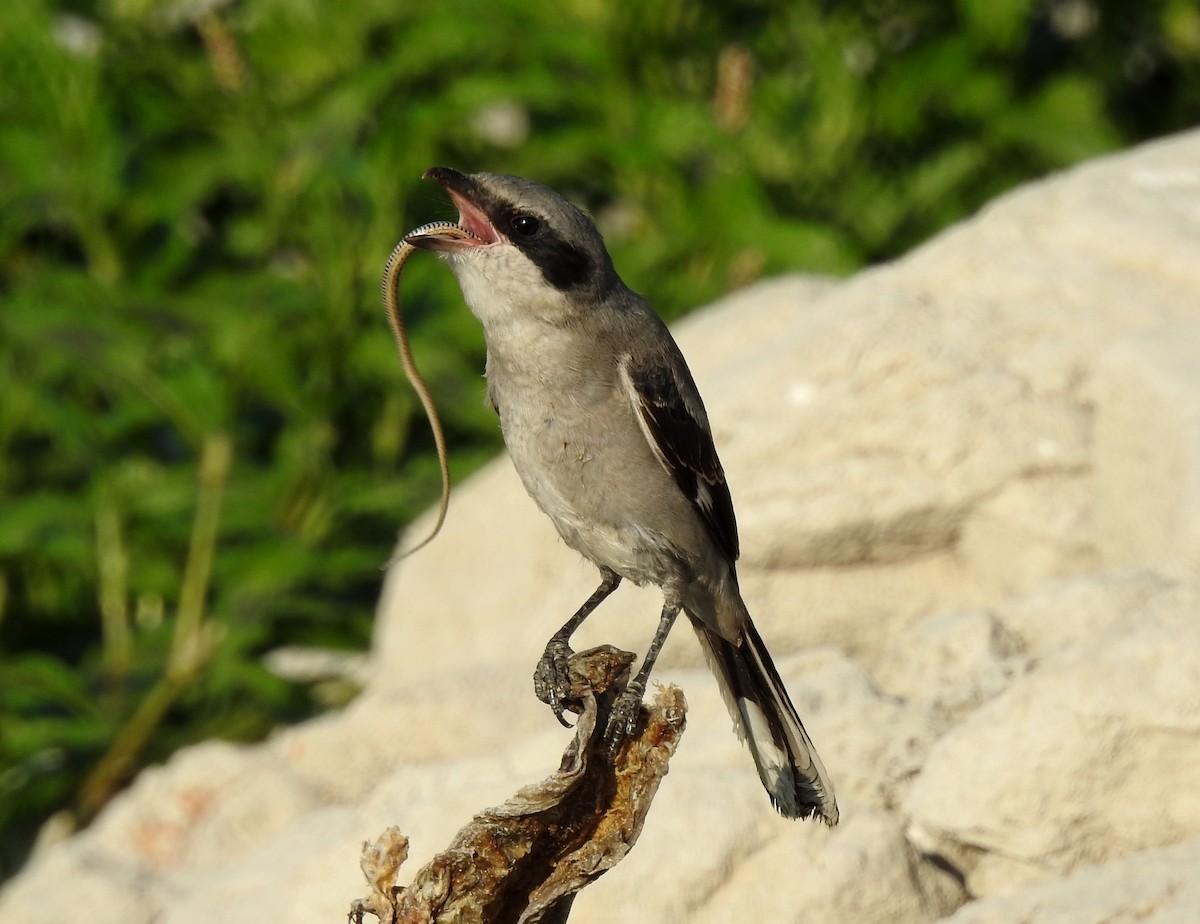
(636, 402)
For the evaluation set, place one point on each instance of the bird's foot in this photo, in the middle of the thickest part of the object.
(552, 677)
(623, 718)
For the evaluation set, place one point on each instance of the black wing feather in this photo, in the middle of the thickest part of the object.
(685, 447)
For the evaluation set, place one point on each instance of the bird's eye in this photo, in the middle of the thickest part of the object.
(524, 225)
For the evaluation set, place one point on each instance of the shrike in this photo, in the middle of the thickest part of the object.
(607, 431)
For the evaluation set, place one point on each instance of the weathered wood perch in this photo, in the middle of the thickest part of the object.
(522, 862)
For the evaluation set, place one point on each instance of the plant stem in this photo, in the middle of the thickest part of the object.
(216, 454)
(112, 567)
(192, 646)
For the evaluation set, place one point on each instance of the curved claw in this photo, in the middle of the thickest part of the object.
(558, 711)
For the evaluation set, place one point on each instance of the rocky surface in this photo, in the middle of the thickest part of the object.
(968, 485)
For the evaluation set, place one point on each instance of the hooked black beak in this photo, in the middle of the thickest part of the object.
(472, 215)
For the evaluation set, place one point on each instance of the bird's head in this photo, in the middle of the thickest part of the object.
(527, 242)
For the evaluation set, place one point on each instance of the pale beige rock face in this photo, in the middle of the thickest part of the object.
(1090, 757)
(952, 662)
(1147, 437)
(968, 485)
(1152, 887)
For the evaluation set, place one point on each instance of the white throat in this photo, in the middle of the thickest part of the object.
(501, 286)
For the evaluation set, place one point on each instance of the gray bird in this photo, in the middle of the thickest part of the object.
(607, 431)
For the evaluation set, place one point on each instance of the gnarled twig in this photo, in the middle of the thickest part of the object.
(522, 862)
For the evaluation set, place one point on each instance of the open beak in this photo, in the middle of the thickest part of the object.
(474, 229)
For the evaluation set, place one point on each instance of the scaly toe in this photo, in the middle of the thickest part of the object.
(623, 719)
(552, 678)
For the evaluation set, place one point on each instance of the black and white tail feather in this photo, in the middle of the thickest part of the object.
(766, 720)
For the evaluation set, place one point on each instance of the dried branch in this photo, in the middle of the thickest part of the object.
(523, 862)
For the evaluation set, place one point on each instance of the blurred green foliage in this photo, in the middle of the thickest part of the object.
(206, 446)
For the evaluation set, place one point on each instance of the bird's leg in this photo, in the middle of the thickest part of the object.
(622, 720)
(551, 679)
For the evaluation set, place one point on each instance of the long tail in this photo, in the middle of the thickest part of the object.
(766, 720)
